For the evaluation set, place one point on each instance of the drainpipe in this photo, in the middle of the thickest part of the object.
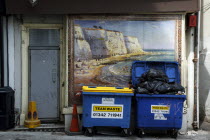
(196, 74)
(1, 53)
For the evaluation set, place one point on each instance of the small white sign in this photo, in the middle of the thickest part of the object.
(159, 116)
(107, 111)
(107, 100)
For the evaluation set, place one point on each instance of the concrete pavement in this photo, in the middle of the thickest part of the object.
(23, 135)
(202, 134)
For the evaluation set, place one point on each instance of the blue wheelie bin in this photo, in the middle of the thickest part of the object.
(106, 107)
(158, 111)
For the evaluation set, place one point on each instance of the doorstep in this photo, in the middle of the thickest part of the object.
(43, 128)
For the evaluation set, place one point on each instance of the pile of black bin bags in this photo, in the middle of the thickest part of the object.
(157, 82)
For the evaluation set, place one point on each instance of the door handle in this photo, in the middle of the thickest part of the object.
(54, 75)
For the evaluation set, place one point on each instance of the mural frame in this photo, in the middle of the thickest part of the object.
(147, 17)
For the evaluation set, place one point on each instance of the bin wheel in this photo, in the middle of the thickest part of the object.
(83, 130)
(125, 132)
(140, 133)
(88, 131)
(95, 131)
(173, 133)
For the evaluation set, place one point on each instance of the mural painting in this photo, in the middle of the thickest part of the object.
(105, 49)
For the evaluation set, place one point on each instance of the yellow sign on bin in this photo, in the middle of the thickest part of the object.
(107, 111)
(163, 109)
(160, 107)
(107, 108)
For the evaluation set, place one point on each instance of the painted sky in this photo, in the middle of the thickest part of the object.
(151, 34)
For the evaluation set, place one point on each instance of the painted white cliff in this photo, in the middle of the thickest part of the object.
(115, 43)
(103, 43)
(132, 44)
(82, 47)
(97, 40)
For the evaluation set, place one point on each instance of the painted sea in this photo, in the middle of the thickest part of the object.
(119, 74)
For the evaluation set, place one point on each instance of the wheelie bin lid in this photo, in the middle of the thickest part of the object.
(4, 90)
(107, 89)
(160, 96)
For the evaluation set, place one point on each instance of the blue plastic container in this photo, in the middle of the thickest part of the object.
(160, 112)
(170, 68)
(106, 106)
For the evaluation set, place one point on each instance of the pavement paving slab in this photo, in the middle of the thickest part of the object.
(202, 134)
(23, 135)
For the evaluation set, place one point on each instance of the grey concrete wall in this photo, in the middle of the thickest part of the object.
(204, 85)
(11, 51)
(42, 19)
(190, 75)
(205, 62)
(17, 63)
